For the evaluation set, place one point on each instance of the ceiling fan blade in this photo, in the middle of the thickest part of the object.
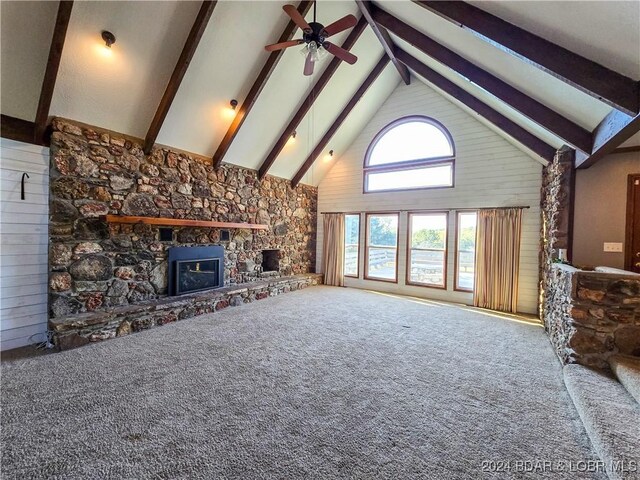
(280, 46)
(338, 26)
(296, 17)
(341, 53)
(308, 65)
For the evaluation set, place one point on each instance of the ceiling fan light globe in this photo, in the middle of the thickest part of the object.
(322, 52)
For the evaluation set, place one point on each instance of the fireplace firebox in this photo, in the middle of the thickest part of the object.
(194, 269)
(270, 260)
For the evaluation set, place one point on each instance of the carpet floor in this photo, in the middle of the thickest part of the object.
(320, 383)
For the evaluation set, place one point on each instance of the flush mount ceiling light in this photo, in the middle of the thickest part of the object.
(233, 103)
(109, 38)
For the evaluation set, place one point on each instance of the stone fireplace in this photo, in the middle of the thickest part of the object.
(98, 266)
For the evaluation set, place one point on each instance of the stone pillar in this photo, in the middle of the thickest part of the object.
(556, 202)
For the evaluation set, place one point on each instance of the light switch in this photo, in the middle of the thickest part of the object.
(612, 247)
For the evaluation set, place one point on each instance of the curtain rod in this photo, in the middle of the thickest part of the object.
(418, 210)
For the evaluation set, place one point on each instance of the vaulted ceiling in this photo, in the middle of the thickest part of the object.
(120, 89)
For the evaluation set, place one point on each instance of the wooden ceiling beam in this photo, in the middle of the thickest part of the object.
(619, 91)
(385, 40)
(509, 127)
(310, 99)
(256, 88)
(375, 73)
(614, 129)
(18, 129)
(189, 49)
(544, 116)
(51, 71)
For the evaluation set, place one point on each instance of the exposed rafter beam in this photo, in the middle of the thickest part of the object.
(532, 109)
(633, 148)
(375, 73)
(385, 40)
(619, 91)
(308, 101)
(18, 129)
(256, 88)
(512, 129)
(189, 49)
(614, 129)
(51, 72)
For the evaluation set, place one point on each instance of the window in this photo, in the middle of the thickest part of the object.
(465, 251)
(410, 153)
(427, 259)
(382, 247)
(351, 244)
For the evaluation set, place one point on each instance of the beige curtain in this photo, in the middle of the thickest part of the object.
(333, 249)
(498, 259)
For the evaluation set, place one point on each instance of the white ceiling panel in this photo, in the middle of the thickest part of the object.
(607, 32)
(120, 88)
(282, 95)
(561, 97)
(329, 104)
(25, 34)
(483, 95)
(223, 68)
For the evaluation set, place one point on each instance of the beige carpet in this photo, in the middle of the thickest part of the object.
(320, 383)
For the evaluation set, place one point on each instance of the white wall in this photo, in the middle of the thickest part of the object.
(489, 172)
(23, 243)
(601, 209)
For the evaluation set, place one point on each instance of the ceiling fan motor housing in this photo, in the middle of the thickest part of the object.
(317, 34)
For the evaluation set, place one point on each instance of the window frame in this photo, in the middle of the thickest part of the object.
(408, 280)
(359, 215)
(367, 246)
(409, 164)
(456, 288)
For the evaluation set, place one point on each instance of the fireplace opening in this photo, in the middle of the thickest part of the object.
(194, 269)
(270, 260)
(196, 275)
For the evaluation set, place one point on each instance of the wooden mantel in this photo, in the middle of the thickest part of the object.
(182, 222)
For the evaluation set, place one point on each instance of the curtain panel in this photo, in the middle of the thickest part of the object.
(498, 259)
(333, 249)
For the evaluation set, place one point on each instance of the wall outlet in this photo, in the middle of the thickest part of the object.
(612, 247)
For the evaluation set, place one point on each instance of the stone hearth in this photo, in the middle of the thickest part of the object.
(115, 322)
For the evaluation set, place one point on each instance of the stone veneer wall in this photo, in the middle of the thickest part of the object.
(592, 315)
(95, 265)
(557, 217)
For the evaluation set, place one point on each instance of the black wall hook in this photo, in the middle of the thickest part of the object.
(25, 174)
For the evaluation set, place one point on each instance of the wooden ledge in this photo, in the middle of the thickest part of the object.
(182, 222)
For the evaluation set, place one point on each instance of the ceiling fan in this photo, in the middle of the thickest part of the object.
(314, 34)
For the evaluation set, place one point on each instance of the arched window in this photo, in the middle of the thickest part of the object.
(410, 153)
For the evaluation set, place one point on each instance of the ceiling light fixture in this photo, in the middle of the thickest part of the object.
(233, 103)
(109, 38)
(292, 139)
(329, 156)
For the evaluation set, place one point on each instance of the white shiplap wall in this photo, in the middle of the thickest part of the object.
(490, 171)
(23, 243)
